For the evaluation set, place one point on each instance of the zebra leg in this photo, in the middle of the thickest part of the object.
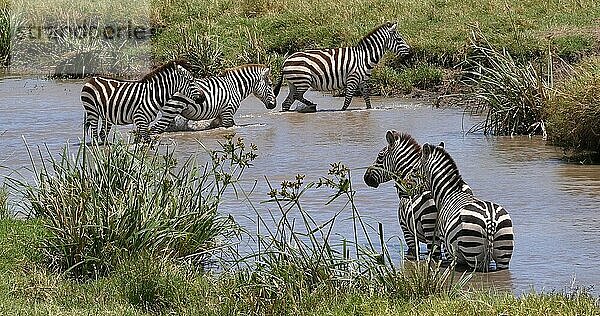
(174, 106)
(503, 242)
(104, 131)
(310, 107)
(366, 90)
(285, 106)
(227, 116)
(141, 124)
(351, 85)
(92, 125)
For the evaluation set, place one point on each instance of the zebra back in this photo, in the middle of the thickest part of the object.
(120, 102)
(475, 231)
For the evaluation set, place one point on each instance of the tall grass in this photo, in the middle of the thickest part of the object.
(103, 205)
(4, 209)
(295, 256)
(512, 95)
(573, 113)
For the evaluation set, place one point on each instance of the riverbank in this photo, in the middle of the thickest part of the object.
(28, 287)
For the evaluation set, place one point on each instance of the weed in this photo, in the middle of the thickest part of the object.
(106, 204)
(511, 95)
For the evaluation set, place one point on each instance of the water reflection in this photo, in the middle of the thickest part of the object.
(554, 206)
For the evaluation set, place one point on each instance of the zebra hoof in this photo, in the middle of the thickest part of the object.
(307, 109)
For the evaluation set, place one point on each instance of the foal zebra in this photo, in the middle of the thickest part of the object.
(167, 89)
(417, 212)
(475, 231)
(222, 95)
(337, 68)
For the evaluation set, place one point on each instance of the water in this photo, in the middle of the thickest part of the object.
(554, 205)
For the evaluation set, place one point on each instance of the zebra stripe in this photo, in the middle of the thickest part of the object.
(223, 94)
(339, 68)
(417, 212)
(475, 231)
(167, 89)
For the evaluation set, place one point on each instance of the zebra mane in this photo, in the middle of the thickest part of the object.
(406, 137)
(373, 31)
(163, 67)
(451, 161)
(234, 69)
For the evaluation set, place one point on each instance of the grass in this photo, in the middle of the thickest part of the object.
(510, 93)
(573, 113)
(292, 265)
(103, 205)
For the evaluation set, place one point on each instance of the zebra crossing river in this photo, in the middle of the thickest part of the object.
(554, 205)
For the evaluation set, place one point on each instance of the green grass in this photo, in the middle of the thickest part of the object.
(573, 113)
(438, 31)
(105, 204)
(293, 266)
(150, 287)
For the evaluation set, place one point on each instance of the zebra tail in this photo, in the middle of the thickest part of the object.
(278, 85)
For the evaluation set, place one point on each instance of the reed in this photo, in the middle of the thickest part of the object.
(4, 209)
(103, 205)
(573, 113)
(510, 94)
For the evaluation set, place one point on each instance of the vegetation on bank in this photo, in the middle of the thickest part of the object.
(573, 112)
(292, 265)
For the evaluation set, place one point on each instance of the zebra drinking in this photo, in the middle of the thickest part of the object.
(417, 212)
(474, 231)
(167, 89)
(346, 68)
(223, 94)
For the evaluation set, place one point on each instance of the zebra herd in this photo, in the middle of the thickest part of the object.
(439, 209)
(172, 90)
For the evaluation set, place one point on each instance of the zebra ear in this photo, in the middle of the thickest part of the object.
(426, 150)
(441, 144)
(391, 137)
(393, 27)
(266, 72)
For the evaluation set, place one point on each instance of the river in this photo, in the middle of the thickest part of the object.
(555, 206)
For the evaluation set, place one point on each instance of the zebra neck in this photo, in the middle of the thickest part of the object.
(372, 51)
(449, 190)
(161, 87)
(244, 84)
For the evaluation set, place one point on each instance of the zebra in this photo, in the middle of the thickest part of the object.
(417, 212)
(167, 89)
(338, 68)
(474, 231)
(222, 95)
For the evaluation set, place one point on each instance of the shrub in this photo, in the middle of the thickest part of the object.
(104, 205)
(511, 94)
(573, 114)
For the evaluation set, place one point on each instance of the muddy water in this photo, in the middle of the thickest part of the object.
(555, 206)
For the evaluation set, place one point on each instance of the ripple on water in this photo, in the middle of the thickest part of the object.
(554, 206)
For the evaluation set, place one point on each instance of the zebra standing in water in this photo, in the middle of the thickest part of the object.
(167, 89)
(223, 94)
(475, 231)
(338, 68)
(417, 212)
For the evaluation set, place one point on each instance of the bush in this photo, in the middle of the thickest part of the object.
(573, 114)
(104, 205)
(511, 94)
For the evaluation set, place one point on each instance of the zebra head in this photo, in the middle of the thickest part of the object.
(395, 161)
(263, 89)
(395, 43)
(187, 84)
